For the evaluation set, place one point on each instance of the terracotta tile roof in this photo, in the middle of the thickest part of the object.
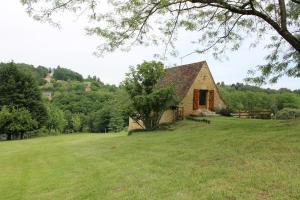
(182, 77)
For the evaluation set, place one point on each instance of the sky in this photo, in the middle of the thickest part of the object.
(25, 40)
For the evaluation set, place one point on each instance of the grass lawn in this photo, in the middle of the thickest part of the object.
(227, 159)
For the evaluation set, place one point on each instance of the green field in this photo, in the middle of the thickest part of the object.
(227, 159)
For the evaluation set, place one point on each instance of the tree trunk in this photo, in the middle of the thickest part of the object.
(22, 136)
(8, 136)
(148, 123)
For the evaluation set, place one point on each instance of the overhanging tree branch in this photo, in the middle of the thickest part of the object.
(282, 14)
(290, 38)
(131, 22)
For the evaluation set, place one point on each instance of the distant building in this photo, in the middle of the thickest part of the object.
(195, 88)
(88, 87)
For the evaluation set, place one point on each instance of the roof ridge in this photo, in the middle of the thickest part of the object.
(201, 62)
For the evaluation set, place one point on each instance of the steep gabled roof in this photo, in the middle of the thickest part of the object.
(182, 77)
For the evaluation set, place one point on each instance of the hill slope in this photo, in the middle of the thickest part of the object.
(228, 159)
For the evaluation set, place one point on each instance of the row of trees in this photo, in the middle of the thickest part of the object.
(246, 87)
(239, 97)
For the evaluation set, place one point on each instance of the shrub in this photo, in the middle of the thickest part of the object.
(225, 112)
(288, 113)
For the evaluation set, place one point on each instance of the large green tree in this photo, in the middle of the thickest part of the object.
(19, 89)
(148, 100)
(222, 25)
(16, 122)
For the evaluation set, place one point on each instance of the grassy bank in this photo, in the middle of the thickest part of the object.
(227, 159)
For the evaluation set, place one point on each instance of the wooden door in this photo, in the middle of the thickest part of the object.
(211, 100)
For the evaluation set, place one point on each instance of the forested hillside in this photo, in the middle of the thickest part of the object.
(89, 106)
(77, 104)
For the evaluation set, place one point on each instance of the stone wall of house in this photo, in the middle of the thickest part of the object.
(167, 117)
(133, 125)
(204, 81)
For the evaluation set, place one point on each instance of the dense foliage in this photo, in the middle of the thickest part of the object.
(240, 97)
(98, 110)
(148, 101)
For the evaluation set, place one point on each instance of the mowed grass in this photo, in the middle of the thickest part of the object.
(227, 159)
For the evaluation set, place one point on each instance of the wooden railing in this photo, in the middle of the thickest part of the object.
(179, 113)
(253, 114)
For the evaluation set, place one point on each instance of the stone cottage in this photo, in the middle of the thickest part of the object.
(195, 88)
